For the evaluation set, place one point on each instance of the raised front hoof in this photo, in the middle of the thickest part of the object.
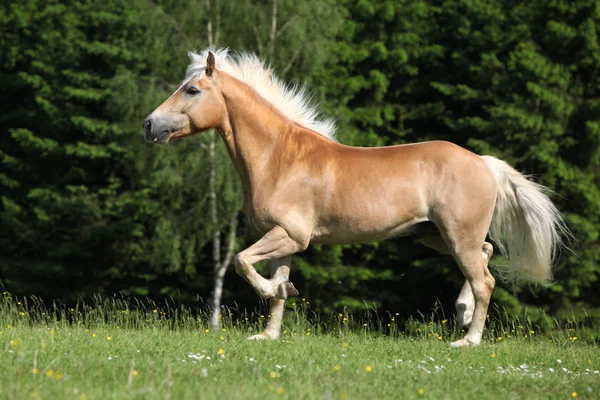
(263, 336)
(285, 290)
(464, 342)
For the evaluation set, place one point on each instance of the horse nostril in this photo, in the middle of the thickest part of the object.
(147, 126)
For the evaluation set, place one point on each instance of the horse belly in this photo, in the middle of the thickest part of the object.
(367, 223)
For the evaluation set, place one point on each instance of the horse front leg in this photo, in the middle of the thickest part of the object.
(276, 244)
(280, 271)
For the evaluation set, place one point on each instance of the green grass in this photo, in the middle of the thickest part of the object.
(165, 353)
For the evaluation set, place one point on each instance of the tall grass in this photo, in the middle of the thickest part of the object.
(128, 348)
(134, 314)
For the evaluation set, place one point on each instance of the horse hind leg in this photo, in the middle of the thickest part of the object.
(465, 303)
(482, 284)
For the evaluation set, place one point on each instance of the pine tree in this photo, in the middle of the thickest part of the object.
(512, 79)
(73, 213)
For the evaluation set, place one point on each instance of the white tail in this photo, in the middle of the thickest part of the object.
(526, 227)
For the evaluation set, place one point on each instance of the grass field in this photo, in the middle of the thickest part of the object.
(117, 350)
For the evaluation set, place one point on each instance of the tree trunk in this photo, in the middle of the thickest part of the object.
(220, 270)
(219, 265)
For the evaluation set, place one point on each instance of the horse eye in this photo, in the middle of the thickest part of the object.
(192, 90)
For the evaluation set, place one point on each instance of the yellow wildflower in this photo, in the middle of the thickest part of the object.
(368, 368)
(221, 351)
(108, 338)
(421, 391)
(273, 374)
(50, 372)
(134, 372)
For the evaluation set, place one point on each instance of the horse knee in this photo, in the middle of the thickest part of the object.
(241, 267)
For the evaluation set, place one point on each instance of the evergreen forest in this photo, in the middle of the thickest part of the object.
(87, 207)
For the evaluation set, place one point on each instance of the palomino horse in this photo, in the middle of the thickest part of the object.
(301, 186)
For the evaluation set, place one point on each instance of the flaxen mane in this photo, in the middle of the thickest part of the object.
(291, 100)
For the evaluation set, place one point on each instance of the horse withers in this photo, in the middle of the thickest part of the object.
(301, 186)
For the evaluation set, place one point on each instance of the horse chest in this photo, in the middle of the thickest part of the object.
(258, 214)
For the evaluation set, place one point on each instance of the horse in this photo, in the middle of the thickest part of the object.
(301, 186)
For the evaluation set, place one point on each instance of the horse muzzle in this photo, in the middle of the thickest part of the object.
(157, 129)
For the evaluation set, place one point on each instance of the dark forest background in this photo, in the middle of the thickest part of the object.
(86, 206)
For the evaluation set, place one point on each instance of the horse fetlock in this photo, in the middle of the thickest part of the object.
(285, 290)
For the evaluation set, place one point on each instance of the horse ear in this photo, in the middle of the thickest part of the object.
(210, 63)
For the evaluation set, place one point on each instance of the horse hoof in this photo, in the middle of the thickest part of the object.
(463, 343)
(285, 290)
(260, 336)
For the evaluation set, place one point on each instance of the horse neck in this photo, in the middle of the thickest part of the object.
(256, 133)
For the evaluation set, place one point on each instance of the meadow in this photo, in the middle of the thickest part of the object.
(132, 349)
